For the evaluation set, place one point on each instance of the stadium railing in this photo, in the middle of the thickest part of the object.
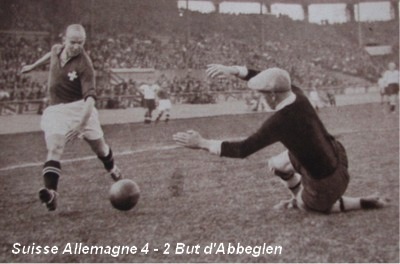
(37, 106)
(23, 107)
(131, 101)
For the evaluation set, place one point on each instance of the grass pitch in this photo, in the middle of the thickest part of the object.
(195, 198)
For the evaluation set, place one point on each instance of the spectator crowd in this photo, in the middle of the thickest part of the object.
(310, 52)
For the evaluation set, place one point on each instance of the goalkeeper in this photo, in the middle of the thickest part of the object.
(314, 167)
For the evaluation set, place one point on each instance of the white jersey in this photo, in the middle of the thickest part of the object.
(315, 99)
(149, 91)
(391, 77)
(164, 105)
(381, 84)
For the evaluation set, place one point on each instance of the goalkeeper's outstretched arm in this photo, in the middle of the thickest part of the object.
(193, 139)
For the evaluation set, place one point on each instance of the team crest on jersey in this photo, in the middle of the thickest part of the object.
(72, 76)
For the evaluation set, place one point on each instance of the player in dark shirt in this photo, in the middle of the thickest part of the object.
(314, 166)
(72, 113)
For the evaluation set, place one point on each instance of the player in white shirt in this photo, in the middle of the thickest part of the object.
(149, 92)
(391, 79)
(382, 88)
(164, 106)
(315, 99)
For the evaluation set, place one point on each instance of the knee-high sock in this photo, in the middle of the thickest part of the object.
(51, 174)
(108, 161)
(292, 180)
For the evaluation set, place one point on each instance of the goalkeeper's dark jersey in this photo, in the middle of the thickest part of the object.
(298, 127)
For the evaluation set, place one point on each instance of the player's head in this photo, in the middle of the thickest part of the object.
(74, 39)
(392, 66)
(274, 84)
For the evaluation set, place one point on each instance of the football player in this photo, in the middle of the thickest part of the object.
(382, 89)
(314, 167)
(391, 80)
(164, 105)
(149, 93)
(72, 113)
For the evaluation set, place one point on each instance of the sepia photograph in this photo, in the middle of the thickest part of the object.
(199, 131)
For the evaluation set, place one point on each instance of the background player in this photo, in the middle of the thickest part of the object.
(314, 166)
(315, 99)
(382, 89)
(391, 80)
(149, 95)
(164, 105)
(72, 113)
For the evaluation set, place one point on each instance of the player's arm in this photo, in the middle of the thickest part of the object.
(88, 84)
(193, 139)
(43, 60)
(246, 147)
(86, 113)
(141, 89)
(263, 137)
(215, 70)
(87, 79)
(87, 110)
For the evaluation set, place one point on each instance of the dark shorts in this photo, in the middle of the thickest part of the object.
(320, 194)
(150, 104)
(392, 88)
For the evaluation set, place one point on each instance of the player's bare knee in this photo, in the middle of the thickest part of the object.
(273, 164)
(55, 150)
(99, 147)
(101, 151)
(280, 165)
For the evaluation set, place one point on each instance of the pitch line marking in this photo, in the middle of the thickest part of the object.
(91, 157)
(123, 153)
(168, 147)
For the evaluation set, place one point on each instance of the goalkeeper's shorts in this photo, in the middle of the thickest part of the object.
(320, 194)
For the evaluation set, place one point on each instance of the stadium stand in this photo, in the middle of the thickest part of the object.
(140, 34)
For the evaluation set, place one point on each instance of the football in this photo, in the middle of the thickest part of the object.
(124, 194)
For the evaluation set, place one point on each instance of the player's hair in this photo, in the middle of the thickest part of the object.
(76, 27)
